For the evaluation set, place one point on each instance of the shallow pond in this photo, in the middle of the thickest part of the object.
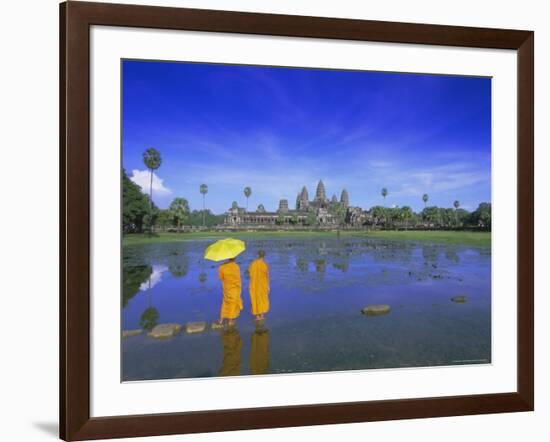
(318, 288)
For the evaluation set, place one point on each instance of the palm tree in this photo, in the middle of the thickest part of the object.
(384, 194)
(406, 214)
(247, 193)
(203, 190)
(425, 198)
(152, 160)
(456, 204)
(179, 209)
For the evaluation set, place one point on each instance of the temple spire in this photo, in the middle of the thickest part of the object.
(344, 198)
(302, 203)
(320, 194)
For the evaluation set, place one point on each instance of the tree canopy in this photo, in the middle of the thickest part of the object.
(179, 210)
(152, 158)
(135, 206)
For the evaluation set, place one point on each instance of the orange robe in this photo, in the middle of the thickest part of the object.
(230, 276)
(259, 286)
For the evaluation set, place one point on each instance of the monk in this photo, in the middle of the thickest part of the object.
(232, 304)
(259, 286)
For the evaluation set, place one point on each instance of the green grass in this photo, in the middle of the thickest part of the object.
(480, 239)
(189, 236)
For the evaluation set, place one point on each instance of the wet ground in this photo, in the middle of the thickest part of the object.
(318, 288)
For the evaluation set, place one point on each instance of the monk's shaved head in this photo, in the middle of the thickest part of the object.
(261, 253)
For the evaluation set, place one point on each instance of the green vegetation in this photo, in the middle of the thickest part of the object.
(338, 210)
(135, 206)
(481, 239)
(204, 217)
(178, 211)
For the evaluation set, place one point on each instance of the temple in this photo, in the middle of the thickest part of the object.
(321, 211)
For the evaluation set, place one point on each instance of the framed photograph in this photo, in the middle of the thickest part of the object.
(272, 221)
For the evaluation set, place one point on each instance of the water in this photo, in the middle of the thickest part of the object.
(318, 288)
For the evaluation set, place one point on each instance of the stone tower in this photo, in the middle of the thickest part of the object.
(320, 195)
(334, 199)
(344, 198)
(283, 206)
(302, 203)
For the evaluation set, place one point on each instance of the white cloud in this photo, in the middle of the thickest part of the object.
(143, 179)
(154, 279)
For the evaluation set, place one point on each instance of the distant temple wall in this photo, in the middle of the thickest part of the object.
(318, 212)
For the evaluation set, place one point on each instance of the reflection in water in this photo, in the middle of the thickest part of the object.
(178, 266)
(231, 343)
(302, 264)
(150, 317)
(342, 264)
(320, 265)
(132, 279)
(389, 252)
(259, 351)
(154, 278)
(452, 255)
(430, 253)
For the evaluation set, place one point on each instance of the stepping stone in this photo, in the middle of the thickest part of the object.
(459, 299)
(376, 309)
(165, 330)
(195, 327)
(216, 326)
(130, 333)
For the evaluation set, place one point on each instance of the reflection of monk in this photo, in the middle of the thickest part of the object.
(232, 304)
(231, 343)
(259, 352)
(259, 286)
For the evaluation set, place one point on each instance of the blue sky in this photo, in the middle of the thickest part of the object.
(278, 129)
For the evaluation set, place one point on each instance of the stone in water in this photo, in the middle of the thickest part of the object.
(375, 310)
(165, 330)
(129, 333)
(217, 326)
(195, 327)
(459, 299)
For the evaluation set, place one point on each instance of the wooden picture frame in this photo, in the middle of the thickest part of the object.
(75, 21)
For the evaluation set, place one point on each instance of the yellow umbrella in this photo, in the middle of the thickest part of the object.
(224, 249)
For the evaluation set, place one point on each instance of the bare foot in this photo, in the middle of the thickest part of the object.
(231, 322)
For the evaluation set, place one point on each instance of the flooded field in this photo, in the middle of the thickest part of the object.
(318, 288)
